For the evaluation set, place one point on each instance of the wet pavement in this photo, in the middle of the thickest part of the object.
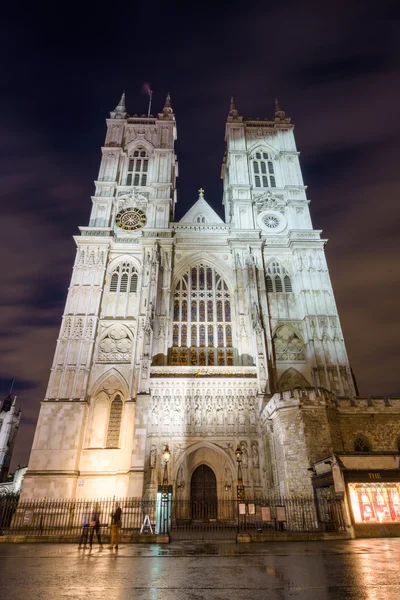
(346, 570)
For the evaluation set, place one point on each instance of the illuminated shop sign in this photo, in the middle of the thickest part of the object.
(375, 502)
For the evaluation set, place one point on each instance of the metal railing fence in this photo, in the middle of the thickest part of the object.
(67, 517)
(209, 519)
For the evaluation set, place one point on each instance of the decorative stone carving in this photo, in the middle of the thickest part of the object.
(270, 201)
(287, 344)
(116, 345)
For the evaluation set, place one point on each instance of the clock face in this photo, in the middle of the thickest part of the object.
(130, 219)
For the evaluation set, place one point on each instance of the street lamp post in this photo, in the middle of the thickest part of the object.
(166, 455)
(240, 484)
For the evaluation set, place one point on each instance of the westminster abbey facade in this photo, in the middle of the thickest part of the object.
(201, 333)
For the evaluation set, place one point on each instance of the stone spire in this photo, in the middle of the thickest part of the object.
(119, 111)
(280, 114)
(233, 114)
(167, 110)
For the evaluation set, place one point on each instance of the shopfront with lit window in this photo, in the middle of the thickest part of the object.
(374, 501)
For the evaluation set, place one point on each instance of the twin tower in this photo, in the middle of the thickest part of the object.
(183, 332)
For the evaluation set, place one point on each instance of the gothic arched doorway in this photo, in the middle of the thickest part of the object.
(203, 493)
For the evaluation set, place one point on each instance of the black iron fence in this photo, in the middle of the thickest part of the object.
(219, 519)
(67, 517)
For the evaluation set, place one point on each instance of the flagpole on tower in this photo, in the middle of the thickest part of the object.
(150, 97)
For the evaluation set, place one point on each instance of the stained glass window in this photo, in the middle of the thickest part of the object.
(202, 341)
(220, 335)
(201, 296)
(193, 357)
(184, 310)
(201, 278)
(227, 310)
(209, 278)
(228, 333)
(219, 311)
(211, 358)
(184, 335)
(210, 311)
(175, 335)
(176, 310)
(174, 356)
(194, 278)
(202, 311)
(202, 358)
(194, 310)
(229, 358)
(183, 358)
(221, 358)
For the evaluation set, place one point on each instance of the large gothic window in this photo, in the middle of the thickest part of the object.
(138, 164)
(124, 278)
(202, 335)
(278, 279)
(114, 424)
(263, 170)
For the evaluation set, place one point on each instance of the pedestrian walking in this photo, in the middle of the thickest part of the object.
(85, 528)
(95, 526)
(116, 522)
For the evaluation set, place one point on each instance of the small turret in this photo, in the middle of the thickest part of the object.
(167, 111)
(280, 114)
(119, 111)
(233, 114)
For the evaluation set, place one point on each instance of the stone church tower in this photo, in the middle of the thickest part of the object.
(182, 332)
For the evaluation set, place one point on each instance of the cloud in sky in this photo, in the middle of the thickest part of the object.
(335, 69)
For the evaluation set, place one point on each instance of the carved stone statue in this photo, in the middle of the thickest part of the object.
(153, 456)
(255, 455)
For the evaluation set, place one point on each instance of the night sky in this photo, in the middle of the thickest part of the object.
(335, 69)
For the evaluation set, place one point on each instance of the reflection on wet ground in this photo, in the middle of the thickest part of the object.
(346, 570)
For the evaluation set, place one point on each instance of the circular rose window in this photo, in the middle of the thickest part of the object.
(271, 222)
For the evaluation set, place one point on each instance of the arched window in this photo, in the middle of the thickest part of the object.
(124, 279)
(138, 164)
(208, 322)
(263, 169)
(114, 424)
(278, 279)
(114, 283)
(200, 219)
(361, 444)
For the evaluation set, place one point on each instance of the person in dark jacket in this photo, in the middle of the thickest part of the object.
(95, 526)
(85, 527)
(116, 521)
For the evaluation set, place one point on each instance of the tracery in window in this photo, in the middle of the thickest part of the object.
(263, 169)
(124, 277)
(138, 164)
(287, 344)
(278, 279)
(207, 325)
(114, 424)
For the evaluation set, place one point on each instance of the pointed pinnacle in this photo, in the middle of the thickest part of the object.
(277, 106)
(168, 101)
(121, 104)
(233, 112)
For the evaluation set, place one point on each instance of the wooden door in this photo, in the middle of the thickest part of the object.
(203, 493)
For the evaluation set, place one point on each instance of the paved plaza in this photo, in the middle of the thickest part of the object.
(348, 570)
